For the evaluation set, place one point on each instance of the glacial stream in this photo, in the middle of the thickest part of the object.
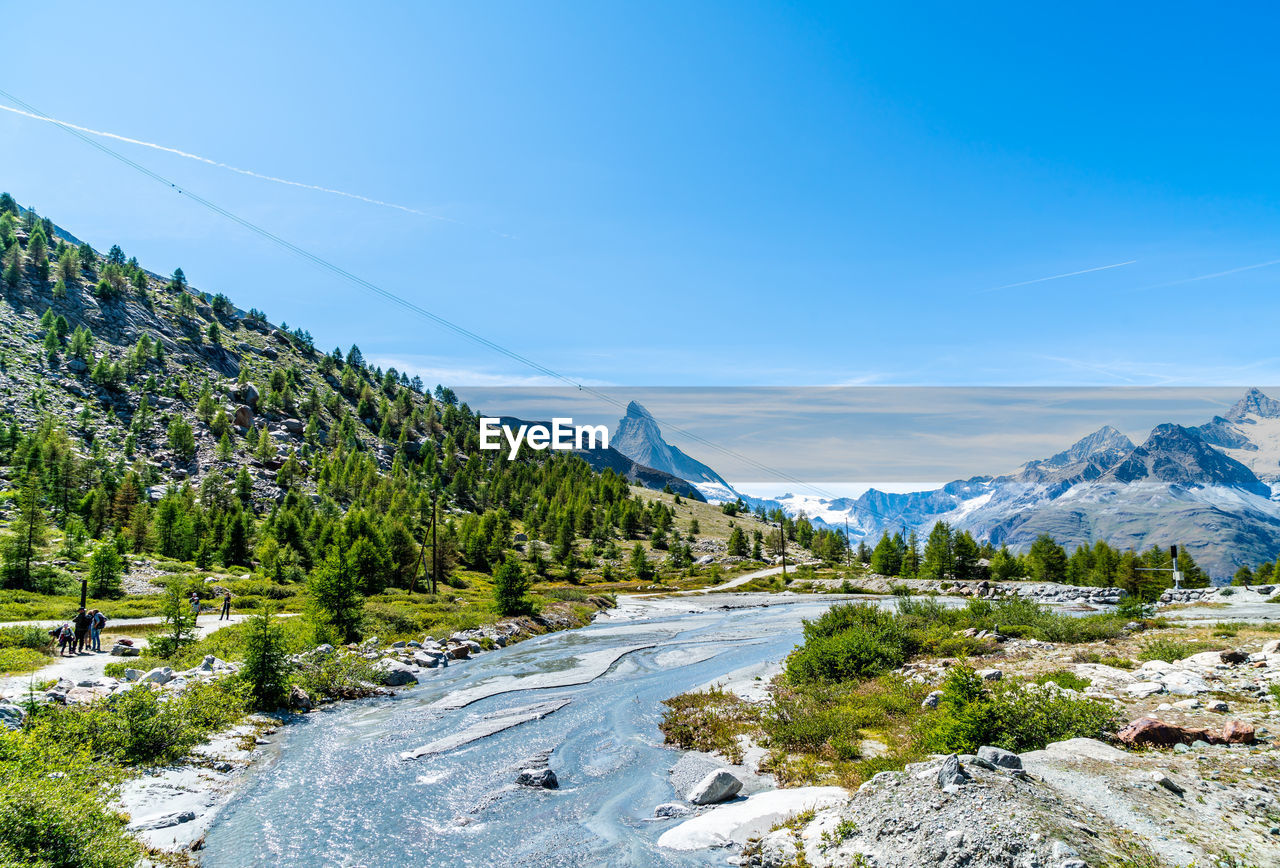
(340, 792)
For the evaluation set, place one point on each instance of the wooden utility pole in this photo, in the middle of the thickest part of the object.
(435, 549)
(782, 532)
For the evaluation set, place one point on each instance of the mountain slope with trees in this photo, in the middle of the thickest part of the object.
(150, 417)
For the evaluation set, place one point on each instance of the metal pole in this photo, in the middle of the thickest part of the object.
(84, 593)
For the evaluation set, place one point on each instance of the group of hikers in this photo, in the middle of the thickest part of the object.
(86, 627)
(226, 606)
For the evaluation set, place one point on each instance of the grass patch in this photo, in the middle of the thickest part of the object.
(1064, 678)
(30, 606)
(709, 720)
(20, 661)
(1103, 659)
(1170, 650)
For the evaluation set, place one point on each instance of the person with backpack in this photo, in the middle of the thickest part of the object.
(226, 607)
(97, 621)
(65, 636)
(195, 607)
(81, 623)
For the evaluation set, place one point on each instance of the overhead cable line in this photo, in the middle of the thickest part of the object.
(408, 305)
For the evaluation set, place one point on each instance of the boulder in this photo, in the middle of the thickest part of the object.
(1142, 689)
(1150, 732)
(931, 701)
(457, 652)
(1271, 647)
(12, 716)
(778, 849)
(159, 675)
(1233, 657)
(671, 809)
(119, 650)
(243, 417)
(1162, 779)
(299, 699)
(393, 673)
(248, 393)
(951, 773)
(427, 659)
(544, 778)
(1184, 683)
(1238, 732)
(293, 426)
(718, 786)
(990, 674)
(163, 821)
(999, 757)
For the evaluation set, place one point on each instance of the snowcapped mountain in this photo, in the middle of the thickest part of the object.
(1207, 488)
(639, 438)
(1249, 433)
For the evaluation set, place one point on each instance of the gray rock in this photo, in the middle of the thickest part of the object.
(778, 849)
(671, 809)
(931, 701)
(133, 674)
(393, 673)
(159, 675)
(12, 716)
(1000, 757)
(1162, 779)
(990, 674)
(427, 659)
(124, 651)
(952, 773)
(1219, 706)
(544, 778)
(164, 821)
(718, 786)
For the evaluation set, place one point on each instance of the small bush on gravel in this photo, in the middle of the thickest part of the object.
(1170, 650)
(1064, 678)
(141, 726)
(1017, 717)
(708, 720)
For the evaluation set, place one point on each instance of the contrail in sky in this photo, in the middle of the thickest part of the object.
(1266, 264)
(210, 162)
(1060, 276)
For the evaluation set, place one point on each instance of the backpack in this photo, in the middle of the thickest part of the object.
(99, 620)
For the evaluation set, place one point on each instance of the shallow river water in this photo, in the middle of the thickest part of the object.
(340, 793)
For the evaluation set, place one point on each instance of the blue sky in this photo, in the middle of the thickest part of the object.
(694, 194)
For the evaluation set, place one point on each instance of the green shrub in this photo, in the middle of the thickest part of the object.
(115, 670)
(36, 638)
(1170, 650)
(1064, 678)
(338, 676)
(140, 726)
(1017, 717)
(851, 641)
(54, 810)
